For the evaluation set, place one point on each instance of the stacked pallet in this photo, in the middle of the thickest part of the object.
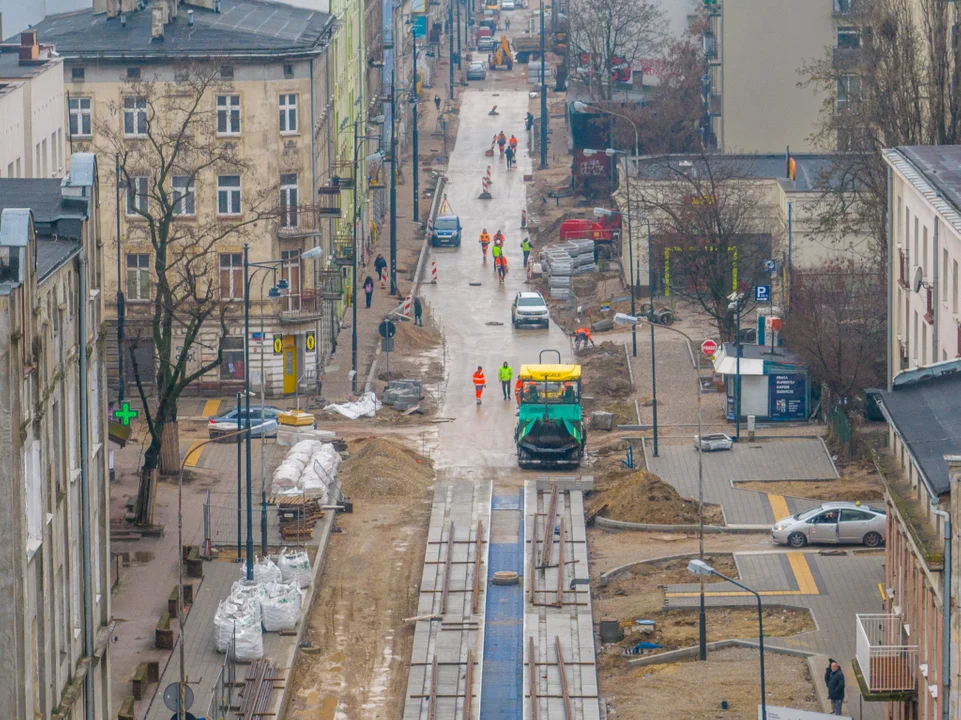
(297, 515)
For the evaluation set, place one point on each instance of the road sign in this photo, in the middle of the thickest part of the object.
(387, 345)
(278, 344)
(311, 340)
(172, 696)
(770, 266)
(419, 27)
(709, 347)
(125, 414)
(387, 329)
(762, 293)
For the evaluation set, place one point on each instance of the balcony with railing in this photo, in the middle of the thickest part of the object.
(309, 305)
(343, 249)
(886, 664)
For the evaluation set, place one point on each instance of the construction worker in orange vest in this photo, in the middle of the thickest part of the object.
(517, 390)
(479, 383)
(582, 336)
(485, 240)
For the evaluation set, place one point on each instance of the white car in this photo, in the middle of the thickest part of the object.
(507, 4)
(713, 442)
(529, 308)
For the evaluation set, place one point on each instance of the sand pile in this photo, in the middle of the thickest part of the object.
(645, 498)
(605, 371)
(380, 469)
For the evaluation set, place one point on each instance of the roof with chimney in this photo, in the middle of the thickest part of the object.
(241, 27)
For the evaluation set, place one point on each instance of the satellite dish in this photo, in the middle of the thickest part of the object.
(917, 278)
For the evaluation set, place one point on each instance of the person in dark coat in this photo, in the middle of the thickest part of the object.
(380, 267)
(834, 679)
(369, 288)
(418, 311)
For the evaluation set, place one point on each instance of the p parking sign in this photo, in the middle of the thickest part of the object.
(762, 293)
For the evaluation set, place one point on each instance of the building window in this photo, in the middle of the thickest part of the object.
(849, 92)
(944, 277)
(226, 72)
(81, 117)
(291, 270)
(954, 287)
(137, 199)
(924, 345)
(184, 198)
(232, 367)
(288, 200)
(133, 73)
(288, 71)
(848, 37)
(288, 113)
(77, 74)
(924, 251)
(138, 276)
(135, 116)
(228, 114)
(231, 276)
(228, 194)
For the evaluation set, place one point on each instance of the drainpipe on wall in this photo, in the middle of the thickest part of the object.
(935, 298)
(946, 603)
(85, 488)
(889, 327)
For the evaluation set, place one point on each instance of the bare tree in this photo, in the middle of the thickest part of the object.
(711, 235)
(165, 136)
(837, 325)
(896, 83)
(610, 32)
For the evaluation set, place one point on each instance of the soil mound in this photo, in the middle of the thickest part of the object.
(380, 469)
(645, 498)
(605, 371)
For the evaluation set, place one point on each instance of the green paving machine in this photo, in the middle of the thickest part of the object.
(550, 431)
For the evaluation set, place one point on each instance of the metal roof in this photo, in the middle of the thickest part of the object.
(83, 169)
(15, 227)
(935, 172)
(926, 415)
(51, 254)
(242, 27)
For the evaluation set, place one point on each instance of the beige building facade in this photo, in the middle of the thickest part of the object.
(32, 134)
(55, 569)
(755, 51)
(270, 105)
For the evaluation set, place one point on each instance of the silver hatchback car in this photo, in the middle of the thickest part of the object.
(833, 523)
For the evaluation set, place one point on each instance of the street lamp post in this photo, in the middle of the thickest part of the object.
(413, 102)
(543, 95)
(450, 41)
(393, 179)
(699, 567)
(353, 273)
(250, 516)
(735, 305)
(702, 618)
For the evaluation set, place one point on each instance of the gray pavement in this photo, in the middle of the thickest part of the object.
(771, 459)
(834, 588)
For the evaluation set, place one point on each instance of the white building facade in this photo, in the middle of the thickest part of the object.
(924, 231)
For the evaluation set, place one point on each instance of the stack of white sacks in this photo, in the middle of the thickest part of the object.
(310, 468)
(271, 602)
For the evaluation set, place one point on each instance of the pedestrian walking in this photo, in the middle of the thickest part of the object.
(504, 373)
(526, 249)
(509, 154)
(369, 288)
(479, 383)
(834, 679)
(418, 310)
(380, 266)
(507, 24)
(437, 102)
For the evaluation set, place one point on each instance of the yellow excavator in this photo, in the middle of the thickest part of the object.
(502, 55)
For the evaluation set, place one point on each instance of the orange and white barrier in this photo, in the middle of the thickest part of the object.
(524, 218)
(406, 307)
(433, 272)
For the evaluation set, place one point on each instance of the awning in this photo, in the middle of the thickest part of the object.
(725, 364)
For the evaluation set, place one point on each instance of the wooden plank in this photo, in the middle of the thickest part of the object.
(477, 564)
(447, 568)
(469, 684)
(568, 713)
(560, 568)
(532, 673)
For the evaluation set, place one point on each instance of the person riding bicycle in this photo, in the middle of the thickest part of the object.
(485, 240)
(501, 141)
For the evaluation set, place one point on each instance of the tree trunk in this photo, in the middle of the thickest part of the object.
(170, 449)
(145, 495)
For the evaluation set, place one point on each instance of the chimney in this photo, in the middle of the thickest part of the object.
(157, 27)
(29, 50)
(190, 17)
(128, 6)
(172, 9)
(208, 4)
(113, 8)
(99, 6)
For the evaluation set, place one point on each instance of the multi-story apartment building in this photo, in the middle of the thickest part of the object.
(755, 51)
(273, 104)
(54, 552)
(924, 253)
(31, 110)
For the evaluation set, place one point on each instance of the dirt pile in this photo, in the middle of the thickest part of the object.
(605, 371)
(379, 469)
(645, 498)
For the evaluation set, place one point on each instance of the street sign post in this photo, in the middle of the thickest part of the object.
(762, 293)
(387, 329)
(709, 347)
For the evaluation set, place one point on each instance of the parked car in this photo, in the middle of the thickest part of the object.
(227, 424)
(833, 523)
(713, 442)
(446, 231)
(477, 70)
(485, 43)
(529, 308)
(507, 4)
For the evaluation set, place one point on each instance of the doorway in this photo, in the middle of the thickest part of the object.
(290, 364)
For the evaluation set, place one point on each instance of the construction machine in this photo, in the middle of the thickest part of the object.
(550, 430)
(502, 55)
